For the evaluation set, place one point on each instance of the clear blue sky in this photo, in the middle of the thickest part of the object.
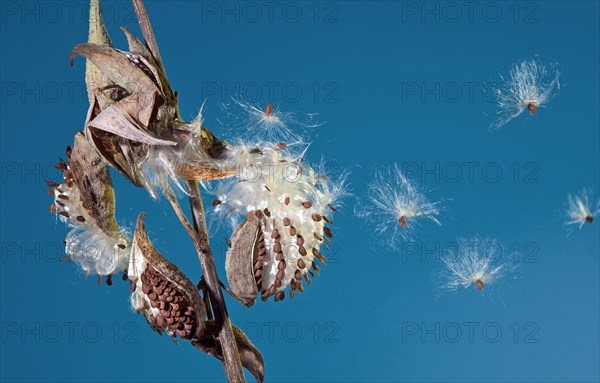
(397, 82)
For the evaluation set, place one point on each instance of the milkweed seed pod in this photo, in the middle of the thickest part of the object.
(133, 109)
(86, 201)
(286, 206)
(162, 293)
(251, 358)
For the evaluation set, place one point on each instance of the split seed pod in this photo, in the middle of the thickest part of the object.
(133, 119)
(163, 294)
(286, 205)
(86, 201)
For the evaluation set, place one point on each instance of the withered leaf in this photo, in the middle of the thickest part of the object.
(251, 358)
(117, 120)
(116, 66)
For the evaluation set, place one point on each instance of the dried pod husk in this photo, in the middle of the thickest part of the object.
(134, 121)
(247, 249)
(288, 204)
(251, 358)
(86, 201)
(163, 294)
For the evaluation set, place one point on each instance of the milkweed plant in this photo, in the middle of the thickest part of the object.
(280, 208)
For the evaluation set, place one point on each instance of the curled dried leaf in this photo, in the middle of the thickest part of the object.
(163, 294)
(118, 66)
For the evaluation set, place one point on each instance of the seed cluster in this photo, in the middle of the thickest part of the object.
(172, 312)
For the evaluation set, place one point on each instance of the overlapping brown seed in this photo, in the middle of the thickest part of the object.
(175, 310)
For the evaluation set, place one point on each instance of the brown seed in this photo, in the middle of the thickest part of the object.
(281, 265)
(259, 214)
(293, 231)
(280, 274)
(160, 322)
(327, 232)
(275, 233)
(277, 247)
(266, 187)
(152, 296)
(121, 246)
(99, 280)
(216, 202)
(302, 250)
(278, 283)
(297, 275)
(299, 240)
(59, 203)
(279, 296)
(307, 204)
(53, 209)
(62, 196)
(61, 166)
(258, 273)
(317, 236)
(51, 183)
(182, 333)
(281, 146)
(146, 288)
(286, 221)
(154, 304)
(319, 256)
(279, 256)
(268, 110)
(81, 218)
(287, 200)
(316, 268)
(307, 279)
(301, 264)
(316, 217)
(327, 220)
(64, 214)
(267, 212)
(331, 207)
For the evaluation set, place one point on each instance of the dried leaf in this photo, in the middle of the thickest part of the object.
(98, 35)
(163, 294)
(251, 358)
(117, 120)
(116, 66)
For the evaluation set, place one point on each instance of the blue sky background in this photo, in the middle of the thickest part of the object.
(396, 83)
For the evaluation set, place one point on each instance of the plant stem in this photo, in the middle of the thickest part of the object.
(231, 359)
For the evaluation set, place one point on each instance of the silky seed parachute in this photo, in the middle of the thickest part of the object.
(530, 85)
(476, 262)
(394, 207)
(267, 123)
(581, 208)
